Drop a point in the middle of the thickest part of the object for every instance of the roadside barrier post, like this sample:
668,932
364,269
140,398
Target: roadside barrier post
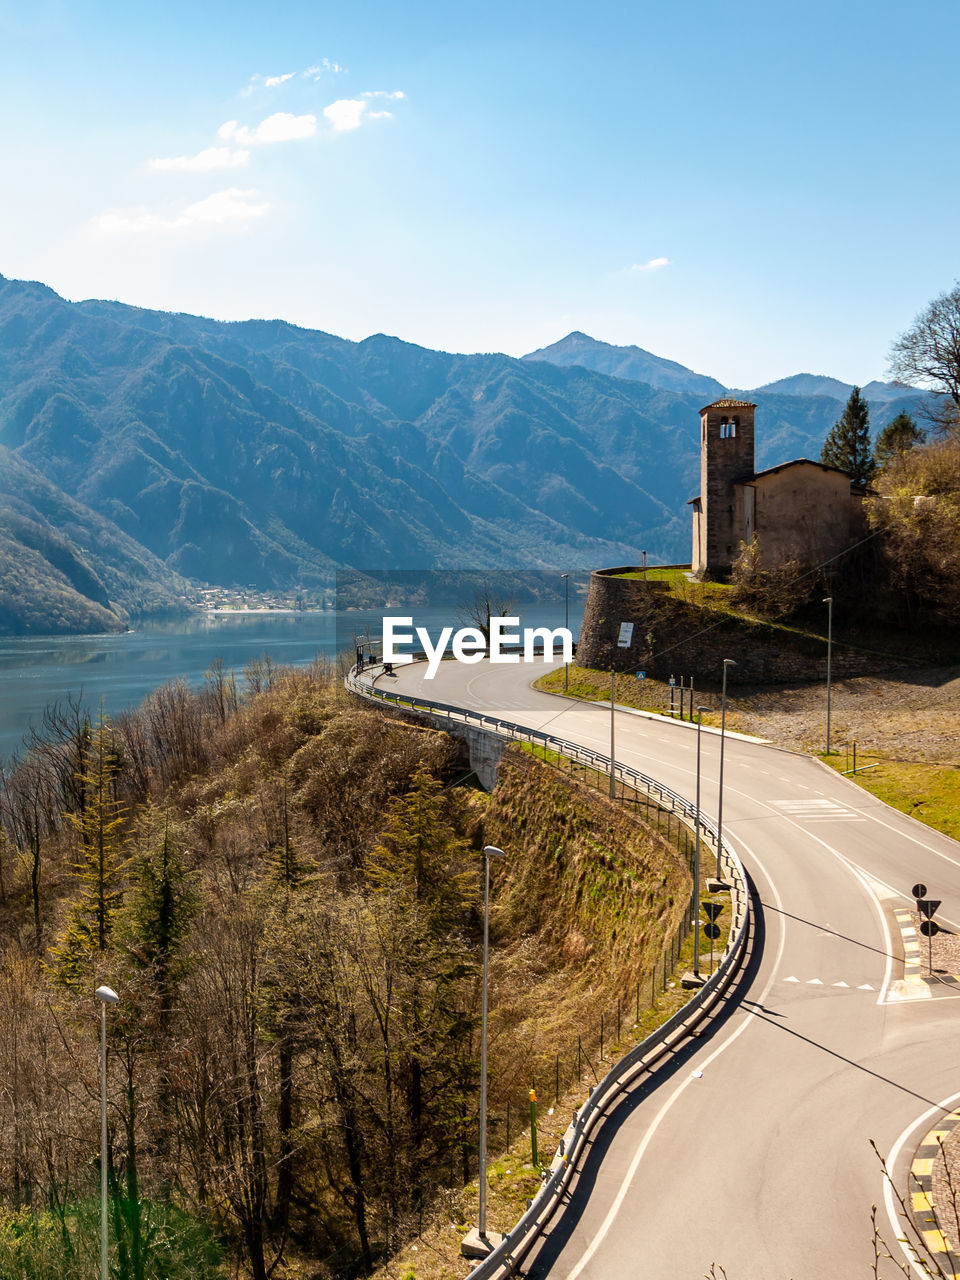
533,1128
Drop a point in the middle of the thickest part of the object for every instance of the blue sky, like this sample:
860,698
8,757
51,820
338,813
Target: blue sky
751,189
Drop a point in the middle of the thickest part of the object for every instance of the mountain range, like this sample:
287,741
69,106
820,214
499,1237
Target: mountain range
141,451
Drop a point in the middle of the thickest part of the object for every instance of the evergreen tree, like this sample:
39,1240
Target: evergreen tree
101,859
848,444
422,856
897,438
163,902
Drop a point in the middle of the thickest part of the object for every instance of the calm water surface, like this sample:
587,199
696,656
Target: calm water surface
121,670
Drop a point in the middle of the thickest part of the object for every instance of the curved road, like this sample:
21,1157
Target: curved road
755,1153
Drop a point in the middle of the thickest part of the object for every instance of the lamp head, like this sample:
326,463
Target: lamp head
107,995
491,851
729,662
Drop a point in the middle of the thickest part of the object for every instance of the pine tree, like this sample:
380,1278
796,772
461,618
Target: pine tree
101,860
897,438
848,444
422,856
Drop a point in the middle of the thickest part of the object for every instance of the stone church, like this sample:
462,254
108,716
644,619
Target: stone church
798,510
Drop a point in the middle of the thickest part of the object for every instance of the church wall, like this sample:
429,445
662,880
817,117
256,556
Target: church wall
802,513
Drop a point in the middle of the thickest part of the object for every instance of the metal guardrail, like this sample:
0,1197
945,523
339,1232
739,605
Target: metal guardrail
503,1260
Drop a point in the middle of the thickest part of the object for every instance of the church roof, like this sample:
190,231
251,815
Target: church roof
725,403
796,462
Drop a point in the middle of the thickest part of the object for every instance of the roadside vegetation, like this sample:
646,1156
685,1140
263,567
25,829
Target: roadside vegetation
282,885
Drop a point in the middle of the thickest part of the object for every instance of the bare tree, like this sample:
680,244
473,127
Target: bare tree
928,354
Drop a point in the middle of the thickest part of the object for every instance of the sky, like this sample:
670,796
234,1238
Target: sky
752,189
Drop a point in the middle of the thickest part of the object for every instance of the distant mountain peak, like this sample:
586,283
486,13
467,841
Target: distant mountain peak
634,363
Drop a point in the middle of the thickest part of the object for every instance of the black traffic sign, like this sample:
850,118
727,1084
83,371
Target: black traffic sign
712,930
928,906
929,927
712,909
919,890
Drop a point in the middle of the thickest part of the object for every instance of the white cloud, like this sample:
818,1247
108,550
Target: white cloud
349,113
323,67
271,82
345,113
280,127
232,205
203,161
652,265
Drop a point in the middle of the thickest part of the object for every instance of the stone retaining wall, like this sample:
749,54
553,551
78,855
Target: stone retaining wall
671,637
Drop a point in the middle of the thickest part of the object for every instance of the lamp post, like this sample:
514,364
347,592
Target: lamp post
613,754
106,995
696,862
566,622
489,851
828,601
727,662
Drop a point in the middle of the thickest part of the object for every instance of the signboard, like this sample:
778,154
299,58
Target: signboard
626,635
641,675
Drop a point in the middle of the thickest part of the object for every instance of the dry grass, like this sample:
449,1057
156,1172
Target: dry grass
512,1179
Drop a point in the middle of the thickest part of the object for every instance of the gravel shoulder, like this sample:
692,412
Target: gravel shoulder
913,716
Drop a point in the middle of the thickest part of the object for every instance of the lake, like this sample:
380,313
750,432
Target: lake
121,670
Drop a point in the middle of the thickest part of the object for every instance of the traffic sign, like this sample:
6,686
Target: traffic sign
673,682
919,890
712,909
711,930
929,927
928,906
641,675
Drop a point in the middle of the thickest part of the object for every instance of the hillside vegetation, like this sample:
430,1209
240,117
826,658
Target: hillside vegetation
283,889
261,454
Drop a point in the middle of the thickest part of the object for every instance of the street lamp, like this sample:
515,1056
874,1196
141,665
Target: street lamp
106,995
613,745
696,861
828,601
566,622
727,662
489,851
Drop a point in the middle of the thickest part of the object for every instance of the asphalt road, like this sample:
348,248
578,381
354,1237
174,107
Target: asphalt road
754,1154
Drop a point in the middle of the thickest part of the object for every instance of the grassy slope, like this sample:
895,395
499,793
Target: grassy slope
930,792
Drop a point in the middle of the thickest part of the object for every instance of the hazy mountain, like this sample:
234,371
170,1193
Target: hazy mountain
65,569
627,362
815,384
258,453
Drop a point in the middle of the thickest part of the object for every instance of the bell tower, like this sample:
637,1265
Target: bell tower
726,458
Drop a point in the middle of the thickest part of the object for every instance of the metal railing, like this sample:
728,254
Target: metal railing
503,1260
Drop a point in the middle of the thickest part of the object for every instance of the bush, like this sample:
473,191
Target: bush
47,1245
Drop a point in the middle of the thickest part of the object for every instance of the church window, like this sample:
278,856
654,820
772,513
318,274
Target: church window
728,428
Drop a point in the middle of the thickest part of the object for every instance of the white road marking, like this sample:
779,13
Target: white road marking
814,810
628,1177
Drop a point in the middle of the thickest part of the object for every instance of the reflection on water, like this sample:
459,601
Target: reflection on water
120,670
